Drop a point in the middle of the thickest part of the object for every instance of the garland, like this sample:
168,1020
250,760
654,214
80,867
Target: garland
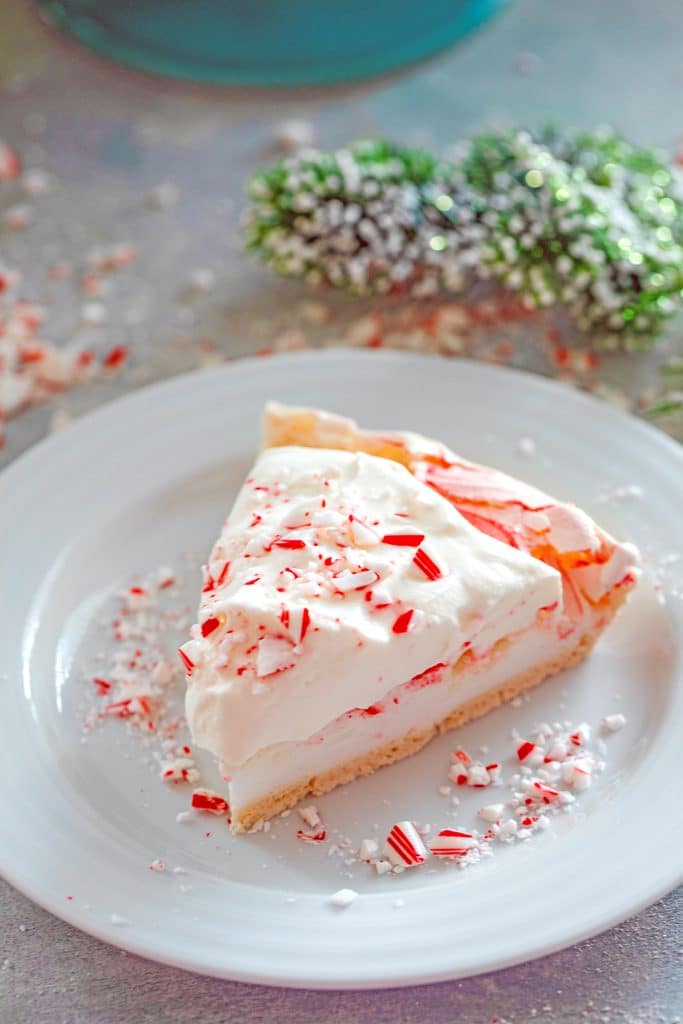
587,221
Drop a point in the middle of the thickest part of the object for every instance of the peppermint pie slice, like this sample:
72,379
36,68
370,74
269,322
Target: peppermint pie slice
371,590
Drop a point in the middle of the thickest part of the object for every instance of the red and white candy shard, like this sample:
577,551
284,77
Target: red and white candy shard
577,773
275,654
310,815
473,774
529,753
206,800
557,750
33,370
491,812
507,830
581,735
311,837
180,769
404,846
450,842
543,793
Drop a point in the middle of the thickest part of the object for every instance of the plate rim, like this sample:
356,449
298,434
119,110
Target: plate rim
175,381
107,932
117,938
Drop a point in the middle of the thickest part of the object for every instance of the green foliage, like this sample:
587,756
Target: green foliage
588,220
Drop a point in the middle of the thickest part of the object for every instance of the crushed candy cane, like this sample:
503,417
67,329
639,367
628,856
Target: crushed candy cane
311,837
33,370
451,842
343,898
404,846
466,772
491,812
212,803
310,815
368,849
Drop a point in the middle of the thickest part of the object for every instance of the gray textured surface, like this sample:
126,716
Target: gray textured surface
57,975
107,138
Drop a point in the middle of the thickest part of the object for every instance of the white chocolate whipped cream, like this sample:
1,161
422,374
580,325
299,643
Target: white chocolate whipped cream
337,577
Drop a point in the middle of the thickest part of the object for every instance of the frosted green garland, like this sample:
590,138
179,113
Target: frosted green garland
587,221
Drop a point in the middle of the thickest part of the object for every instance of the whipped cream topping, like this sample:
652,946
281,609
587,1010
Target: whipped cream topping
338,576
507,509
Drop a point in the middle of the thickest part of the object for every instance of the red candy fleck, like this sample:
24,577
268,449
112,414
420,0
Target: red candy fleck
451,842
289,543
427,565
31,355
220,579
562,355
311,837
10,164
406,844
129,706
305,623
546,794
116,357
403,540
209,626
189,665
204,800
374,709
429,676
402,623
85,358
524,749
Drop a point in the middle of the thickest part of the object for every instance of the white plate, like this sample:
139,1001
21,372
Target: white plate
152,475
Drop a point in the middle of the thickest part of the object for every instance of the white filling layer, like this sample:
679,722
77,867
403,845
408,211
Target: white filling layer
419,707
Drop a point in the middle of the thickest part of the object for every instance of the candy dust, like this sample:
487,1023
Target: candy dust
137,679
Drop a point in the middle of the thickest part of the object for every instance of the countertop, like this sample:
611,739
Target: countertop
107,140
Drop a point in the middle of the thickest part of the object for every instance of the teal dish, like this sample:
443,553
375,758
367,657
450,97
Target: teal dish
267,42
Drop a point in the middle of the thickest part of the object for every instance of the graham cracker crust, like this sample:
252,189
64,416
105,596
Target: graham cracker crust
414,740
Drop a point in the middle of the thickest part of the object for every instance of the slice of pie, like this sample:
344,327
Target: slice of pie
371,590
